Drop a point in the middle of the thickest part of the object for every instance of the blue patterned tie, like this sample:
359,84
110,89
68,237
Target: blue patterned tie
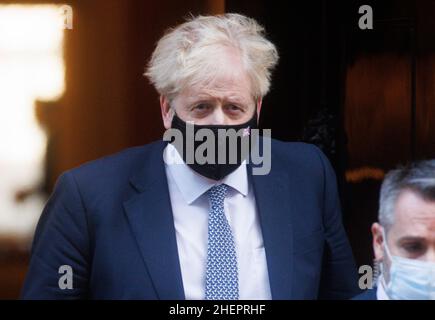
222,275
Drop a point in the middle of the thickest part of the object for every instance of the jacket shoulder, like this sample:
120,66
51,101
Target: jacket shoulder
369,294
303,156
301,148
116,160
114,171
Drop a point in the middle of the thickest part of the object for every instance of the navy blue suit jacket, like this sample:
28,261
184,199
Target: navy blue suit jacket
369,294
111,221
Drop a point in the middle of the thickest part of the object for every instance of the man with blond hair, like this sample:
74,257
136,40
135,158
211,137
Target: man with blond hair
200,215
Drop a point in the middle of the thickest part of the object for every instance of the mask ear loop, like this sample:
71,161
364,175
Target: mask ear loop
387,250
390,257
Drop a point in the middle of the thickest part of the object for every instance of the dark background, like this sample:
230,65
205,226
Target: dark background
366,97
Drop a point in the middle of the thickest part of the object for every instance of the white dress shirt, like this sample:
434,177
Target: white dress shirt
190,207
380,289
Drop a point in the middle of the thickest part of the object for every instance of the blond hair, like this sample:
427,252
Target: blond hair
186,55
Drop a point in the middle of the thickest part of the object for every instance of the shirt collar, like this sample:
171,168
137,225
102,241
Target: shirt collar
192,185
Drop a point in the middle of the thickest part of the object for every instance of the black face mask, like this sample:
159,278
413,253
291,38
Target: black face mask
216,170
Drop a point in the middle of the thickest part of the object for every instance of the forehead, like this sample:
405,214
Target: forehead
414,216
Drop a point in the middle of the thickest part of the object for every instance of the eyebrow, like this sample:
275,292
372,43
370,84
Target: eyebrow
203,99
410,239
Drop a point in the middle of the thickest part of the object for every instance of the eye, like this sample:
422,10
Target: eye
201,107
413,247
233,108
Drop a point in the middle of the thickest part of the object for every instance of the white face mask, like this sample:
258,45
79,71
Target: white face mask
410,279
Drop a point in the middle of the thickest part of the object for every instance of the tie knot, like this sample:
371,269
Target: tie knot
217,194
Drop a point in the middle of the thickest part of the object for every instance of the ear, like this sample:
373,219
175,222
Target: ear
259,104
378,241
167,112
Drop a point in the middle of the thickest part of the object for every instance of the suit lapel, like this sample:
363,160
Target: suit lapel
150,216
273,205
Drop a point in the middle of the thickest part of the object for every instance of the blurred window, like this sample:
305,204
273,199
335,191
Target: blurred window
31,68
